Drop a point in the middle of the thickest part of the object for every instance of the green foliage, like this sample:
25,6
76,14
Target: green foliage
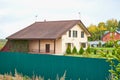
19,46
95,51
109,44
68,50
97,31
100,44
88,50
81,51
114,60
2,43
111,25
118,26
74,51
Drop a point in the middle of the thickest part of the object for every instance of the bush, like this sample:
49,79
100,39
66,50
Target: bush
68,50
113,52
74,51
109,44
100,44
88,50
81,51
95,51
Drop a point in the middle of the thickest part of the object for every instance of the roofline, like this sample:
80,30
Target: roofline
31,38
58,20
19,31
85,28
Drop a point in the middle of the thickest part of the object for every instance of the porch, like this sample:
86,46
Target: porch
42,46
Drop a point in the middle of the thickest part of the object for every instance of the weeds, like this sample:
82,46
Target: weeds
18,76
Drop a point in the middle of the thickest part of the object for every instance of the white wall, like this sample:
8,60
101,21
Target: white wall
76,41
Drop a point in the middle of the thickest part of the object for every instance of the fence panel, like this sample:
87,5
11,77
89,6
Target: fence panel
50,65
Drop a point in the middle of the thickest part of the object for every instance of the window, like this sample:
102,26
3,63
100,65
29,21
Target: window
69,33
74,33
83,45
82,34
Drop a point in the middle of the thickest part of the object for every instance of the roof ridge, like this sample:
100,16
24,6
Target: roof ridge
56,21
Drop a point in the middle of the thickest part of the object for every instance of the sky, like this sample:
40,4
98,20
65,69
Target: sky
18,14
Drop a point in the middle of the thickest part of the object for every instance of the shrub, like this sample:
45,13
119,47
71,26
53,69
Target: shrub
113,52
95,51
107,52
100,44
88,50
81,51
74,50
114,60
109,44
68,50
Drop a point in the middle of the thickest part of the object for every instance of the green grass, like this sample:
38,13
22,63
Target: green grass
104,48
98,54
2,43
86,55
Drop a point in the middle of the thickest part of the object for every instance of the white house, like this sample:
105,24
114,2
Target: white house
51,37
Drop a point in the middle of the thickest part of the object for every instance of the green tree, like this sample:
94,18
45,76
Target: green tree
81,51
68,50
101,29
114,60
88,50
111,25
118,28
98,31
93,29
74,51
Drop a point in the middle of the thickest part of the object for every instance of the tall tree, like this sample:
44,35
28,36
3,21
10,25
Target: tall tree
93,30
101,29
112,25
118,28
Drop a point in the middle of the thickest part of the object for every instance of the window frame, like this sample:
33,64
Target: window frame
69,33
83,45
82,34
75,33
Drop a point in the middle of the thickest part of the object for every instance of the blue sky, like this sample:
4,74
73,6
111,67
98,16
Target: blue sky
17,14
